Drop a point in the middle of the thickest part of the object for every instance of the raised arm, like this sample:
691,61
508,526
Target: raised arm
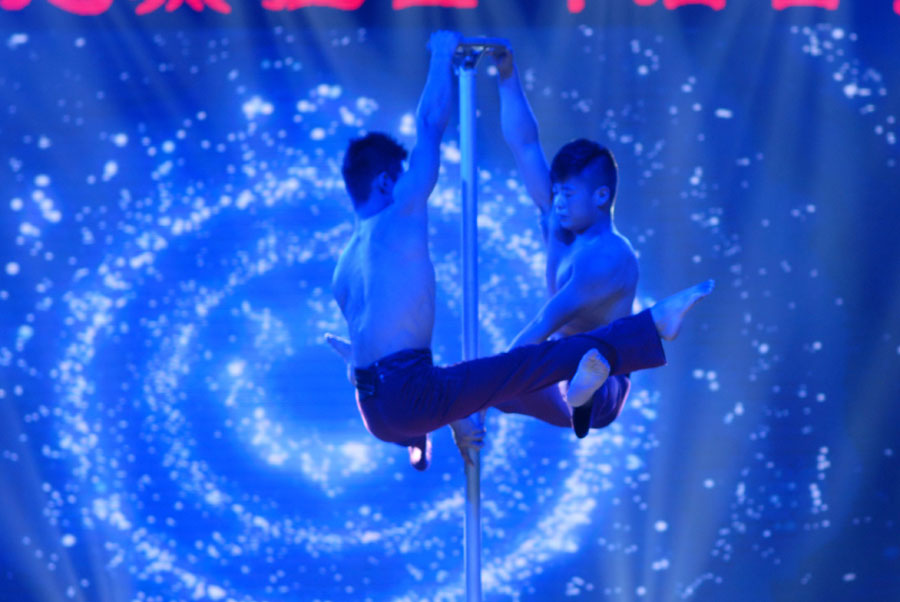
520,129
415,185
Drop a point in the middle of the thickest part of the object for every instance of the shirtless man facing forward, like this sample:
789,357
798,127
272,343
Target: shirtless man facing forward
384,283
592,270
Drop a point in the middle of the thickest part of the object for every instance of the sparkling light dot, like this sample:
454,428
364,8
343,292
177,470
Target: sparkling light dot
236,368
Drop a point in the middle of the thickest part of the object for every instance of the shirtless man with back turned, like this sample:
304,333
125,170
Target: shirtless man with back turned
384,283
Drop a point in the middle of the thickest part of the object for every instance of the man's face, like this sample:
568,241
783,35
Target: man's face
573,202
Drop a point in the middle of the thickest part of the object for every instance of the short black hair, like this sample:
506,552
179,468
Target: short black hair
367,157
580,155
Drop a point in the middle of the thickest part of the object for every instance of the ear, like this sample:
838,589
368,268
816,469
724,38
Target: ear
601,196
382,183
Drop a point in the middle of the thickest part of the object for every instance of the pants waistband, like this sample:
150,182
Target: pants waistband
368,377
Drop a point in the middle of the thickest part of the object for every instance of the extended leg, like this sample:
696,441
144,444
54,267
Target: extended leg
441,395
415,404
549,405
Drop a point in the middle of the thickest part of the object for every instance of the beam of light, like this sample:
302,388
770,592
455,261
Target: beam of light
177,428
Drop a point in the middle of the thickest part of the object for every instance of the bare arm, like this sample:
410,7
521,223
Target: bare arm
415,185
560,309
594,281
520,129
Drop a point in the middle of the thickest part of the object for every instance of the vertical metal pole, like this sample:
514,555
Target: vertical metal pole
469,212
469,176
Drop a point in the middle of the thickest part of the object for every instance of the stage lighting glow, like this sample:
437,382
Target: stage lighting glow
197,439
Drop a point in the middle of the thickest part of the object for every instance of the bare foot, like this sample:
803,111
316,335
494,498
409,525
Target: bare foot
668,314
420,457
344,348
593,370
468,433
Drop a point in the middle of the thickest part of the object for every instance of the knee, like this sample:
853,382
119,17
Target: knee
507,407
612,396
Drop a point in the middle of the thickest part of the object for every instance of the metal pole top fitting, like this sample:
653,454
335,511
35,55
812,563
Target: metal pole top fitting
470,50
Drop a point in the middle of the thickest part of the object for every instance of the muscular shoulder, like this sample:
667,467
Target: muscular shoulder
395,229
610,260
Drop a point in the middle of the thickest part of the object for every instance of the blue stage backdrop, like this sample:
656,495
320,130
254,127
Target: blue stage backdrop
173,426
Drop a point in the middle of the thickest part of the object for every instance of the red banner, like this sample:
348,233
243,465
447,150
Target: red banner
826,4
96,7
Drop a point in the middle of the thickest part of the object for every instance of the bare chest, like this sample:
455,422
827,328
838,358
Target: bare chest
560,258
613,299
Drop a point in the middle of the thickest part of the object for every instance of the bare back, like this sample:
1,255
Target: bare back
384,284
384,281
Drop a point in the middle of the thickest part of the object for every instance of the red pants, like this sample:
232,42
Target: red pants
404,396
550,406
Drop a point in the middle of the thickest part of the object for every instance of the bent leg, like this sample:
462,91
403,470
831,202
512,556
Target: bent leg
636,342
419,449
609,400
546,404
438,396
604,406
549,405
417,441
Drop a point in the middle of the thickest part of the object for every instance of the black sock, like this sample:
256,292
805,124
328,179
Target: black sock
581,418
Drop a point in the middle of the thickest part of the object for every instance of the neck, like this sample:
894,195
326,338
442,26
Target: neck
602,225
370,208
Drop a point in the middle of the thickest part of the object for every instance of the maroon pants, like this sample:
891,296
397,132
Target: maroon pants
550,406
404,396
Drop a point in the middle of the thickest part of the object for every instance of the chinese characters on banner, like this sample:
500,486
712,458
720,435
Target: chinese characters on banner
148,6
398,4
295,4
355,4
673,4
782,4
96,7
576,6
713,4
76,7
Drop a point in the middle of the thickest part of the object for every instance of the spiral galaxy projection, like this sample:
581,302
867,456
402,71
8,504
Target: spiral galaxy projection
192,437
